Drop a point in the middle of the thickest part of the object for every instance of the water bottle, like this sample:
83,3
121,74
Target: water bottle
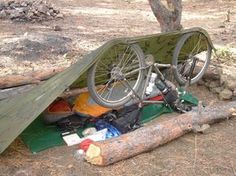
162,86
151,84
170,95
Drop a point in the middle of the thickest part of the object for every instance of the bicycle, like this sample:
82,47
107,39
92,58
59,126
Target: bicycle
125,73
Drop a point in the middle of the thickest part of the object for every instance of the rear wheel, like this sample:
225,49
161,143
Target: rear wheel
191,57
111,78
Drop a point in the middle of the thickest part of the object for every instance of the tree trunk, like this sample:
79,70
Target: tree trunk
169,17
147,138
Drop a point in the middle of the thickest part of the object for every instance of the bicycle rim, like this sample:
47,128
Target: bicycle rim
112,73
191,57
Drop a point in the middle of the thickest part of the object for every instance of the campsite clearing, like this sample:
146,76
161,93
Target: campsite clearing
86,25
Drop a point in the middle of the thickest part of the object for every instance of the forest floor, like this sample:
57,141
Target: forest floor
86,25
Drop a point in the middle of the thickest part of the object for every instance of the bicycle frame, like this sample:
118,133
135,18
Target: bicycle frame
150,68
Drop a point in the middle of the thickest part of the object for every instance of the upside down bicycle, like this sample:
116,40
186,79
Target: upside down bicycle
128,74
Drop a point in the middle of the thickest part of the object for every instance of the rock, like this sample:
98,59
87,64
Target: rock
15,14
48,13
200,82
222,26
231,84
3,14
216,89
14,5
28,11
56,11
30,15
51,11
21,9
24,4
226,94
60,15
10,2
223,79
234,95
57,28
43,9
207,83
2,6
214,84
70,166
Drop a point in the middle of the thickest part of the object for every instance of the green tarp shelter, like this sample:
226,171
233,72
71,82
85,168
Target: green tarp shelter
18,112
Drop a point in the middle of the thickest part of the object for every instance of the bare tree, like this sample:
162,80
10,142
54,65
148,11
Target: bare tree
168,15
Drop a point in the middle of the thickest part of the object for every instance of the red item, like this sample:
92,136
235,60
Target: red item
157,98
84,145
59,109
58,106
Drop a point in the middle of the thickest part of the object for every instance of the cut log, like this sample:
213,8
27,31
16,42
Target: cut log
147,138
28,78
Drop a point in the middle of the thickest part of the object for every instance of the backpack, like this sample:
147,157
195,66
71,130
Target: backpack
72,122
125,119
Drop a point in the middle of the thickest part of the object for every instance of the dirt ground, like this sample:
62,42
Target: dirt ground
86,25
212,153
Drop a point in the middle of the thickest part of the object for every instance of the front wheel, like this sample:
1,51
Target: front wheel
191,57
111,78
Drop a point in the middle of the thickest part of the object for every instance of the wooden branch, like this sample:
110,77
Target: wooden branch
28,78
147,138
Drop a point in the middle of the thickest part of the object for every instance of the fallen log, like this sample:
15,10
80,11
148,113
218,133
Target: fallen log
147,138
28,78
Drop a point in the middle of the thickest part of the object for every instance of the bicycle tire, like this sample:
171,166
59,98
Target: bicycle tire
115,104
177,51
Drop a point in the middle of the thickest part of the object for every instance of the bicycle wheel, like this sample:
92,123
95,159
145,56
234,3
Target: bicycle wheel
191,57
111,78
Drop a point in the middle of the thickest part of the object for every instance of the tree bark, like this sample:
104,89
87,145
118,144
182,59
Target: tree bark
169,17
147,138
